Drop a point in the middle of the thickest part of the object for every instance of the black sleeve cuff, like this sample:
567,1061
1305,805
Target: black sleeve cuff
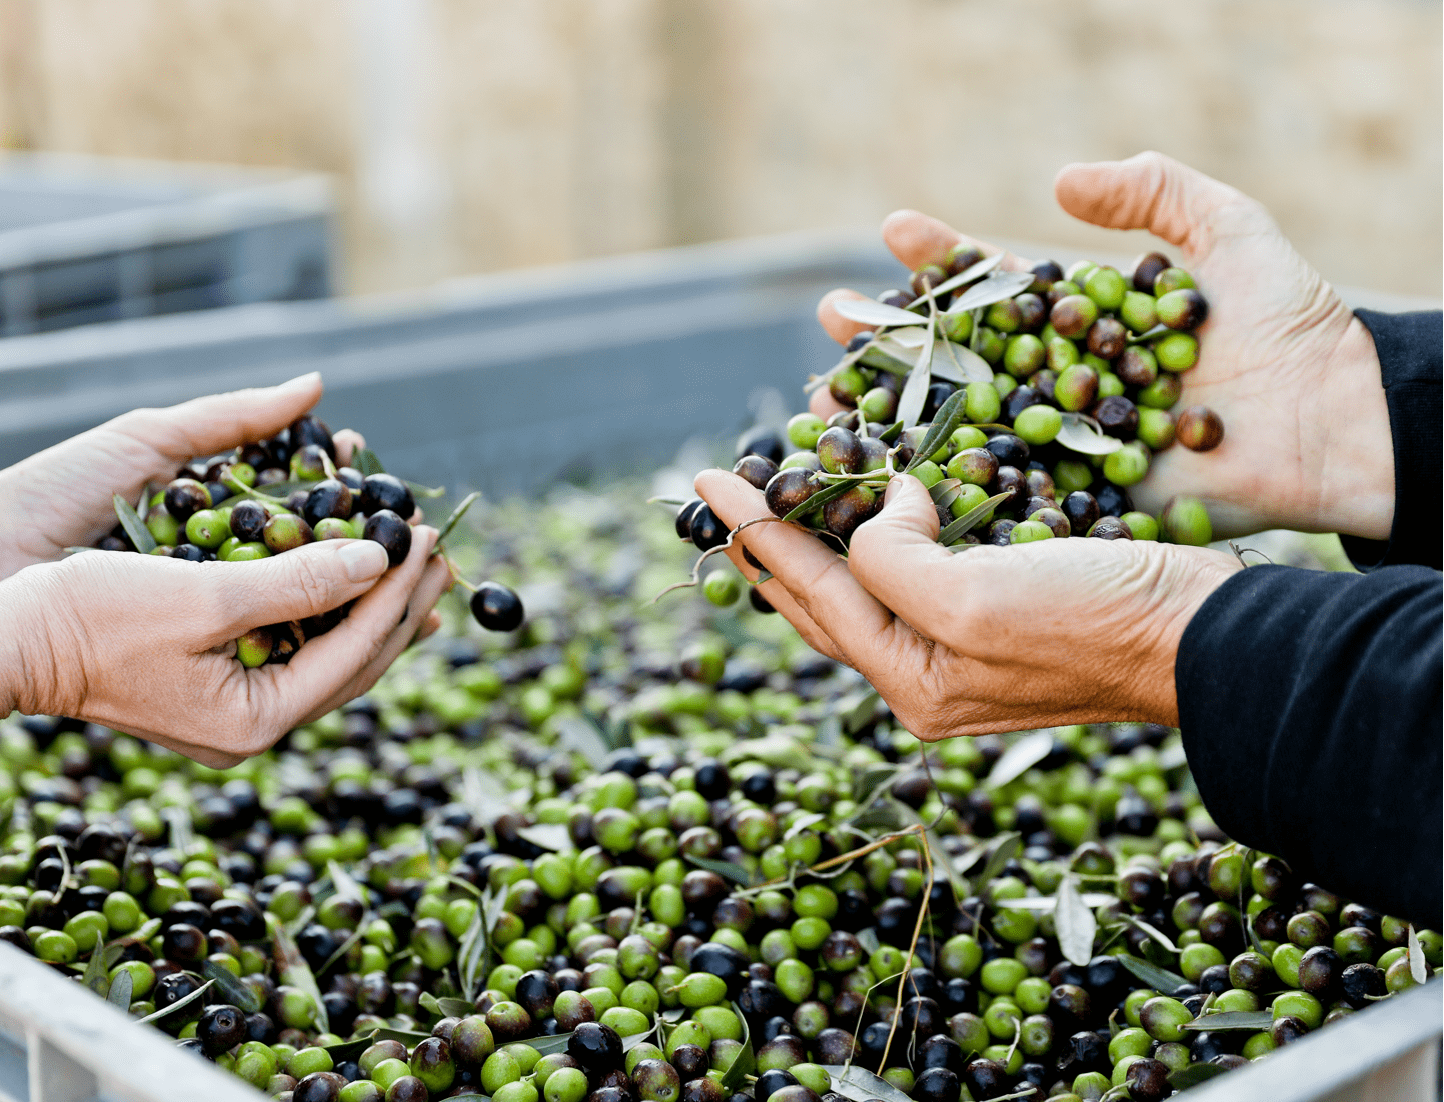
1411,348
1310,709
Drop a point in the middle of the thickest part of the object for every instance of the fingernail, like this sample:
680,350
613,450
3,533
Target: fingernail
363,559
301,382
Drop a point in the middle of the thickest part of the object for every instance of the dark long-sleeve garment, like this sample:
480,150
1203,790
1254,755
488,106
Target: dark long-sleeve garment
1310,703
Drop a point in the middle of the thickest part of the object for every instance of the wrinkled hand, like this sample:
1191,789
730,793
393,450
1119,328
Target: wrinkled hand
1292,373
146,644
988,639
61,497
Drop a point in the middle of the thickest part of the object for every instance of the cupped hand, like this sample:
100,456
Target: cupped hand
62,497
988,639
1292,373
145,644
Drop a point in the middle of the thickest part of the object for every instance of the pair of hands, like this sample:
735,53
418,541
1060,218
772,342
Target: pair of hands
146,644
1076,631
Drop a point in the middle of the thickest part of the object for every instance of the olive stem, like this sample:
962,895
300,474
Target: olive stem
231,482
924,853
455,571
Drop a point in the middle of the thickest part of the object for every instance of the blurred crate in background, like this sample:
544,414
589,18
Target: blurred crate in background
91,239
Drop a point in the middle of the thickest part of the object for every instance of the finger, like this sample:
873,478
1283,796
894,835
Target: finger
419,620
839,328
824,404
815,577
895,556
326,665
917,239
204,426
1147,192
305,582
348,442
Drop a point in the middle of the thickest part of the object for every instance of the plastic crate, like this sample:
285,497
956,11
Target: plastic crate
86,239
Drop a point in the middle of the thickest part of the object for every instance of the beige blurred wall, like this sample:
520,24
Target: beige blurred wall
470,135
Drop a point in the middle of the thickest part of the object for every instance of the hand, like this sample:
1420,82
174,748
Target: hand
988,639
146,644
1285,364
61,497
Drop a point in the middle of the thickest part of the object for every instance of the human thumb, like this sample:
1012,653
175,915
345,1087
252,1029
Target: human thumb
1149,192
895,554
299,584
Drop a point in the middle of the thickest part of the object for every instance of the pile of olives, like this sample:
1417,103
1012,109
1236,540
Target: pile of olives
1043,404
635,855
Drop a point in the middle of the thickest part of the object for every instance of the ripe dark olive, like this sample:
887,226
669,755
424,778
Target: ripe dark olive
1000,532
537,991
1012,451
497,607
657,1080
1113,501
755,469
1199,429
328,498
1107,337
1360,981
1148,1080
386,491
788,489
220,1029
248,521
721,960
185,496
1136,366
392,533
938,393
286,640
761,441
840,451
1073,315
1116,416
1010,481
311,430
1081,509
1146,269
1019,399
985,1078
758,602
707,531
1184,308
1110,528
684,519
958,260
596,1048
845,514
690,1061
1320,971
1045,274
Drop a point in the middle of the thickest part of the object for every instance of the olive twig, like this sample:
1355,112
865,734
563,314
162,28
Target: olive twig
923,852
455,570
695,578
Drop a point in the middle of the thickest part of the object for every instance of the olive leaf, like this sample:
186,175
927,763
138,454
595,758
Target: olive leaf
120,991
1077,926
870,312
417,490
1416,957
915,391
97,968
746,1061
729,869
473,943
482,795
802,823
950,415
350,1050
575,733
970,520
946,492
1043,903
344,883
1152,931
232,990
997,287
1193,1075
552,836
456,514
548,1045
173,1007
447,1008
1019,758
861,1085
890,434
1158,330
872,782
134,527
967,366
1232,1019
1004,848
818,500
344,947
1159,979
408,1037
291,967
966,276
1080,433
367,463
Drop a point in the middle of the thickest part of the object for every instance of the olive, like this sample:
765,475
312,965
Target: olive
1183,308
1010,481
1019,399
1320,971
248,521
788,489
985,1078
940,392
1146,269
1360,983
286,640
220,1029
1110,528
840,451
311,430
937,1084
684,519
391,532
328,498
958,259
308,464
1148,1080
707,531
537,991
760,441
1116,416
658,1080
844,514
755,469
596,1048
286,532
1000,532
186,496
497,607
386,491
1011,450
1073,315
1107,337
1199,429
1136,366
925,278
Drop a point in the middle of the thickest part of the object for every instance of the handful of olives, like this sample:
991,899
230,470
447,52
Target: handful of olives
1027,403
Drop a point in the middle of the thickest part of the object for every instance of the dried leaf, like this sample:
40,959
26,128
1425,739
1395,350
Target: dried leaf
456,514
552,836
1081,433
1232,1019
120,991
950,415
134,527
861,1085
869,312
915,391
1076,924
1159,979
1416,957
966,276
997,287
231,989
367,463
173,1007
969,520
729,869
1019,758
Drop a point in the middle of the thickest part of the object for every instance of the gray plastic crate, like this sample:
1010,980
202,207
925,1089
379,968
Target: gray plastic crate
88,239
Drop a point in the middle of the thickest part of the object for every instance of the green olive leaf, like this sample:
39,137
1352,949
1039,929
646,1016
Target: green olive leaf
547,1045
473,943
408,1037
1005,848
291,967
914,394
456,514
728,869
1077,927
173,1007
861,1085
1156,934
1159,979
966,276
350,1050
97,969
553,836
1019,758
367,463
871,312
950,415
1416,957
1193,1075
1081,433
345,946
818,500
746,1061
231,989
345,884
1158,330
120,991
134,527
969,520
997,287
1232,1019
418,490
